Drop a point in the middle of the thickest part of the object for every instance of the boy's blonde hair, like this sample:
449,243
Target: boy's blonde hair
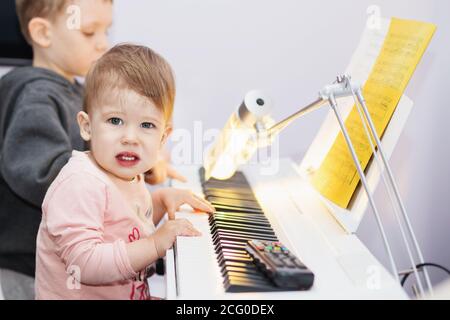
29,9
133,67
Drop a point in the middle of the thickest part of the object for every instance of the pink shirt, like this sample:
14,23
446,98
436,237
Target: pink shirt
86,223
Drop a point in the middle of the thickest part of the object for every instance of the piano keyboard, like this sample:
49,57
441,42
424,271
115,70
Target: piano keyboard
238,218
199,268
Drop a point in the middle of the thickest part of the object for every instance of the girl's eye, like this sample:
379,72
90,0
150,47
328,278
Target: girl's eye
115,121
148,125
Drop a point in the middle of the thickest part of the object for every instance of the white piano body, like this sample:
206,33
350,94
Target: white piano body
343,267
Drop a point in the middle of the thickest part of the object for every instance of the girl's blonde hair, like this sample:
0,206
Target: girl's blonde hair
133,67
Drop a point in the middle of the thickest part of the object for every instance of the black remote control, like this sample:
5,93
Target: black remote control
281,266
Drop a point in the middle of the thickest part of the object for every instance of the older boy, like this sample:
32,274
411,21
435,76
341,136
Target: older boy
38,127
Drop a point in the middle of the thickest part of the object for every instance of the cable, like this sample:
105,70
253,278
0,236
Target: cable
421,265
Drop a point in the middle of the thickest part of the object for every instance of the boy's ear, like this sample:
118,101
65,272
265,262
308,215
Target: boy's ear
85,125
40,33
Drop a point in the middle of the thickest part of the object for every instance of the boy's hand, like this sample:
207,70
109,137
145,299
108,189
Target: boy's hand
166,235
161,172
172,199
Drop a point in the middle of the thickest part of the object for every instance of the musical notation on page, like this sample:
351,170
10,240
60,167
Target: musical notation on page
403,48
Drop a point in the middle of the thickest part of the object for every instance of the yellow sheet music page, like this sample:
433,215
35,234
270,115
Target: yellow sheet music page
403,47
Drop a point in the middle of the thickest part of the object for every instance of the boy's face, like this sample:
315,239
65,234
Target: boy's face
73,50
126,133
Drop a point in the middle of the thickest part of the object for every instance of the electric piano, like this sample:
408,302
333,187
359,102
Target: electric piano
281,207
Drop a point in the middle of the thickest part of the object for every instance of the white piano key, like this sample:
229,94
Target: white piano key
199,268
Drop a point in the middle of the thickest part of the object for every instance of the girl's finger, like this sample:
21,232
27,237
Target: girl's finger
195,232
211,208
198,204
171,213
190,231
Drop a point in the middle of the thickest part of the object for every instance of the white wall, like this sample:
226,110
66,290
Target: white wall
220,49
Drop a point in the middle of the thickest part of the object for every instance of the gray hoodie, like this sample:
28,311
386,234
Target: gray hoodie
38,131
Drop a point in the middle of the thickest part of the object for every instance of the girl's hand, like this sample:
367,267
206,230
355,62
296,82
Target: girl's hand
166,235
172,199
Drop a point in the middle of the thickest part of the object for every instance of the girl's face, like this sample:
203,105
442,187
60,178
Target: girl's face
126,133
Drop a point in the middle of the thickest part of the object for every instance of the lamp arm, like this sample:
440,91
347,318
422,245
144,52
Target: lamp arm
278,127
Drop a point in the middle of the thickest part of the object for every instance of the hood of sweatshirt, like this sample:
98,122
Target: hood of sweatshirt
13,83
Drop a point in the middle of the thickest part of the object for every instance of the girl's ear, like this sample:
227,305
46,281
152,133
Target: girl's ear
166,135
85,125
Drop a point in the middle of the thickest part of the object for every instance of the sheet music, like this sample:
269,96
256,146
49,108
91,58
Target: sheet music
403,47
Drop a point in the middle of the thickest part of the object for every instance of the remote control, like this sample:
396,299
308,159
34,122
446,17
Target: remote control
280,265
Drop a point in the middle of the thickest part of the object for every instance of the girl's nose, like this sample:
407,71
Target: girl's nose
129,136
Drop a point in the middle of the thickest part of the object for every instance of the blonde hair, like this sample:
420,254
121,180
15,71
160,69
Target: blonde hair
133,67
29,9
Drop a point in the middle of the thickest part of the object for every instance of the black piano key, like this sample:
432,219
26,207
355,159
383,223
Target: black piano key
242,225
247,221
240,238
239,228
248,266
248,274
247,215
236,284
245,275
223,245
229,222
242,214
224,217
232,238
249,224
228,268
224,255
242,228
236,215
236,209
233,254
241,235
228,236
238,218
236,206
221,259
255,224
214,183
233,202
237,251
234,258
230,185
230,194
